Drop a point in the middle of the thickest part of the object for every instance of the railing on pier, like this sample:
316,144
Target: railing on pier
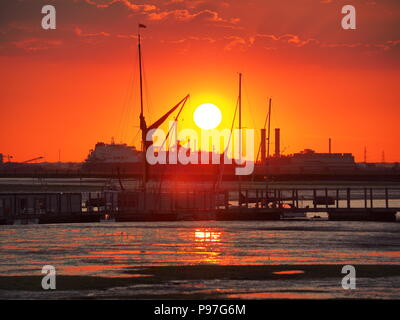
317,198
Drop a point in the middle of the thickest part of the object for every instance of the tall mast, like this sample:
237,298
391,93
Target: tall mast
269,125
141,77
143,126
142,120
240,116
240,137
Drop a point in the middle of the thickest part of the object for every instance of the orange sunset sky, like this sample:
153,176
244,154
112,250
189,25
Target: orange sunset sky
68,88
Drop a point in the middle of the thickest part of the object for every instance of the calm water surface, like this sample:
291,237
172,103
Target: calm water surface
108,249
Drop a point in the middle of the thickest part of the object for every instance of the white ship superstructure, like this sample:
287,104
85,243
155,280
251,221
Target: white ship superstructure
114,153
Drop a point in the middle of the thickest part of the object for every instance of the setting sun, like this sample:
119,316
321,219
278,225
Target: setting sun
207,116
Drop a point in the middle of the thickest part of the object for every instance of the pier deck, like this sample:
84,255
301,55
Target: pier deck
339,204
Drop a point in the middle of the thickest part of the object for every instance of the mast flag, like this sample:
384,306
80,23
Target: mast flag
142,25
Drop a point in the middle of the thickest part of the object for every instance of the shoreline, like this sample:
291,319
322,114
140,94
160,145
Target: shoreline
166,274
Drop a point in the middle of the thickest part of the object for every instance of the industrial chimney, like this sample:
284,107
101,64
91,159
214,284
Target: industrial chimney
263,146
277,142
330,145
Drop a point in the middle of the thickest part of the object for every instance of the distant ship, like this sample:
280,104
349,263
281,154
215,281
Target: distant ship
309,161
113,156
120,157
114,153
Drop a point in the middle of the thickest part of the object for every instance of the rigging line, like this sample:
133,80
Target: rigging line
176,118
265,125
124,121
233,122
129,115
135,137
149,104
128,97
266,118
258,134
163,169
182,119
130,126
226,149
124,103
131,98
259,147
124,124
248,104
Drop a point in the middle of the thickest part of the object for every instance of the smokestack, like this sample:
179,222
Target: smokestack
277,142
330,145
263,146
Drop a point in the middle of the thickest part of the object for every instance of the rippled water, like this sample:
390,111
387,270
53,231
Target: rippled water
108,249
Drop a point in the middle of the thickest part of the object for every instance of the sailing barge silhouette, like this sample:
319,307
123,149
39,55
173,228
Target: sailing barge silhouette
154,203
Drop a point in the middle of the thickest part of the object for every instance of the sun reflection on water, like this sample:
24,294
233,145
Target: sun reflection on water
208,246
202,235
